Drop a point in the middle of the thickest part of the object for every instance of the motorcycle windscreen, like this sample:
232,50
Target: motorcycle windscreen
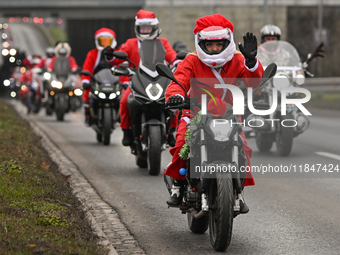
105,76
151,52
279,52
61,68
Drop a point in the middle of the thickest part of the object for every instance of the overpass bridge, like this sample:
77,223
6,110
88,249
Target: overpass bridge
80,18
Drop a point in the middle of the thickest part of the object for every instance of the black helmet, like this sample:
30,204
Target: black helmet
270,30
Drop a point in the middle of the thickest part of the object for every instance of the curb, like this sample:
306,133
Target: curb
104,220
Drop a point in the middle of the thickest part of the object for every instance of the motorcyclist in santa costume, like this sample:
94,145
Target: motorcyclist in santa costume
215,57
94,62
146,28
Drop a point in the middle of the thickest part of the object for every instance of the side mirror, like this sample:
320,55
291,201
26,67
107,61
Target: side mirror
165,71
267,75
120,55
181,55
269,72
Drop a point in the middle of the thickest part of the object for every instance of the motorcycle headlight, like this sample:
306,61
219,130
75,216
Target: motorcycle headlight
78,92
281,80
56,84
101,95
13,94
154,91
221,129
112,96
300,79
47,76
7,82
118,93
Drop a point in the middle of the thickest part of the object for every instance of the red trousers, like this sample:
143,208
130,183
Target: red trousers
125,120
178,163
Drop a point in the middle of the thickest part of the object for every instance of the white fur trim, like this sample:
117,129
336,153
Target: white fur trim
152,21
219,59
217,34
254,68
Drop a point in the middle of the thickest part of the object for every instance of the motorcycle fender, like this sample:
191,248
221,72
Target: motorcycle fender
152,122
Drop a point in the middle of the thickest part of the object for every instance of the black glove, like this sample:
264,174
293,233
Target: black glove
249,50
174,100
108,52
86,85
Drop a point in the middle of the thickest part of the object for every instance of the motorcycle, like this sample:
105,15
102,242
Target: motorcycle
151,121
290,73
212,199
63,82
105,96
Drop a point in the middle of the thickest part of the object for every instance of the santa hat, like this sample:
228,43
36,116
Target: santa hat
215,20
105,32
146,16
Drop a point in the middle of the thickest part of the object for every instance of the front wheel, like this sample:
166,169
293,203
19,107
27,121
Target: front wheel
107,124
284,138
60,108
221,215
155,150
264,141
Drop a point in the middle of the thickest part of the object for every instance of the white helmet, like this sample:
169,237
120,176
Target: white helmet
214,28
146,25
270,30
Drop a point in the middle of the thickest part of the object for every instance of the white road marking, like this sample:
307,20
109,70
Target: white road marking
328,155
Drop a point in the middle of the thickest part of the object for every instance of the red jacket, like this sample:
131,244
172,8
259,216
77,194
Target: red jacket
73,64
90,63
131,48
192,67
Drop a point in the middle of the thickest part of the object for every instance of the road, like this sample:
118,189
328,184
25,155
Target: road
28,39
296,214
290,214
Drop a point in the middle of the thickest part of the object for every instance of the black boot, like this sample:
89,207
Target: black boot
243,206
176,196
127,138
171,137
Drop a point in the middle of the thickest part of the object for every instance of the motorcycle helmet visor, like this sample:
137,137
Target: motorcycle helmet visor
213,47
145,29
104,41
62,52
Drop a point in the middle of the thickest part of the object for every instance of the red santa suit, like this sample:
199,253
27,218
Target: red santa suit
95,60
131,48
72,60
192,66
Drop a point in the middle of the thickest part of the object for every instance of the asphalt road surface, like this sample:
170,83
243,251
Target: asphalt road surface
289,214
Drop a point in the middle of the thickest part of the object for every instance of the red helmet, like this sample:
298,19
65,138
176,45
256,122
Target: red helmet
105,37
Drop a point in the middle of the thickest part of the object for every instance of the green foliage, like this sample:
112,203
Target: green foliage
38,212
184,152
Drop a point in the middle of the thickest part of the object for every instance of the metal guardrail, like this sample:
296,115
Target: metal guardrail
322,85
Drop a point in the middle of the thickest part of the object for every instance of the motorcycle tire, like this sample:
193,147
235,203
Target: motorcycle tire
221,215
107,124
60,108
284,138
155,150
142,163
49,110
263,142
198,226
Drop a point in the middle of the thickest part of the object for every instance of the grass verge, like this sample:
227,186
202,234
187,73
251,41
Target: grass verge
38,213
